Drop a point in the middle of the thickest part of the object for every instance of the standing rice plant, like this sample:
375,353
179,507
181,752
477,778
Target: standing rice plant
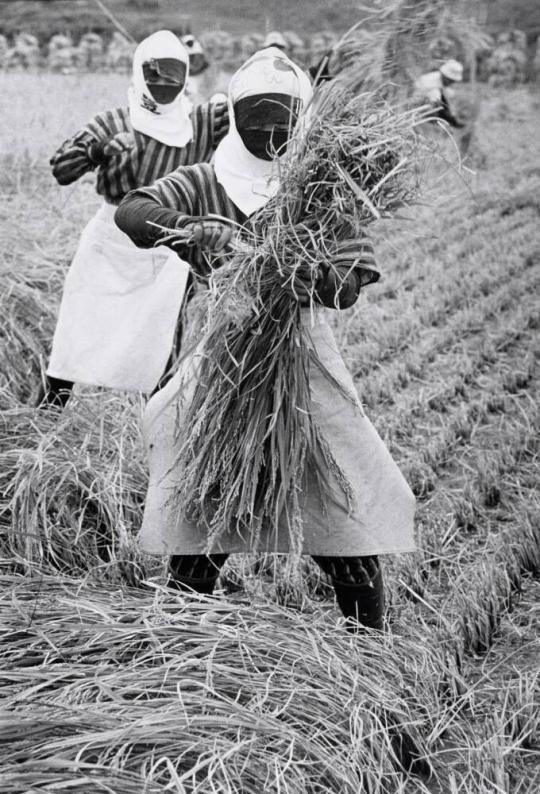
247,440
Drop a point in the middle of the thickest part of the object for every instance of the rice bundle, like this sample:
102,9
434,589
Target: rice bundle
248,441
67,498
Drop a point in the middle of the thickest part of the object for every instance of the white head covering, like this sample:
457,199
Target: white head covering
169,124
276,39
248,181
453,70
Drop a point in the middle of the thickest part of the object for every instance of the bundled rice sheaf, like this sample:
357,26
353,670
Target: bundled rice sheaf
248,437
67,499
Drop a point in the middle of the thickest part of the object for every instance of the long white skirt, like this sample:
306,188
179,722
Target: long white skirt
119,310
382,518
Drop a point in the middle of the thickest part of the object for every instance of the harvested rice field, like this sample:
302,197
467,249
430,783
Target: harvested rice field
112,683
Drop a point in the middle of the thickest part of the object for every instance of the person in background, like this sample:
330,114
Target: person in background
198,62
435,88
266,97
276,39
119,318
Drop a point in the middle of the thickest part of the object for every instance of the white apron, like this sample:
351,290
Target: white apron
119,310
382,521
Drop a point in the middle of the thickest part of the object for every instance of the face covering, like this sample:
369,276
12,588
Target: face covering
266,97
266,123
265,144
198,62
158,106
165,78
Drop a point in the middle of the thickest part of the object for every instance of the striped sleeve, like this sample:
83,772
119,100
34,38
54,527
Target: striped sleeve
219,121
176,191
72,159
357,254
170,202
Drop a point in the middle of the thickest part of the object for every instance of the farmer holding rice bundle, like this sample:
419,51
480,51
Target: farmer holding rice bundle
259,442
121,306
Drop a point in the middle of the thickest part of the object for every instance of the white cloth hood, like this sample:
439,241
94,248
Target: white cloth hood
170,124
248,181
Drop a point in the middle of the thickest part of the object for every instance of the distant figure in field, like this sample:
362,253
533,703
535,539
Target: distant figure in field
276,39
198,62
119,319
434,88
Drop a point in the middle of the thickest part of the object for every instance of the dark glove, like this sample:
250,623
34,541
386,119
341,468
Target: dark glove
357,254
353,267
95,151
100,151
208,234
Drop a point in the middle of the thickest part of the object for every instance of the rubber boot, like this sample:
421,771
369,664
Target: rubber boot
54,392
362,603
188,584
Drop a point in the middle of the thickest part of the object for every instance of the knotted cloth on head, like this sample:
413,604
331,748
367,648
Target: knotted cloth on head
248,180
171,123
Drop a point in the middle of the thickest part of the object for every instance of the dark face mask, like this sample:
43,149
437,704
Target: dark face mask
264,144
256,112
164,94
164,78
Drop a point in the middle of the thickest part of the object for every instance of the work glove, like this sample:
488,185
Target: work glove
356,254
102,150
209,235
336,286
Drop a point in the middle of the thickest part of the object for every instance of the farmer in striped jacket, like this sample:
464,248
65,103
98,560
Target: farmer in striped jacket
266,96
120,308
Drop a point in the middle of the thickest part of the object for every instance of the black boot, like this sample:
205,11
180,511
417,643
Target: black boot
195,572
362,603
189,585
54,392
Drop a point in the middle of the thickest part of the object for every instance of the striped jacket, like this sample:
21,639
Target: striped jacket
193,191
175,199
146,161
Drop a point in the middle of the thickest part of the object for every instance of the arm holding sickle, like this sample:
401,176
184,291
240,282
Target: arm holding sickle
169,213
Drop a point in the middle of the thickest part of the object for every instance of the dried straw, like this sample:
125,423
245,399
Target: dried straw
202,695
69,501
